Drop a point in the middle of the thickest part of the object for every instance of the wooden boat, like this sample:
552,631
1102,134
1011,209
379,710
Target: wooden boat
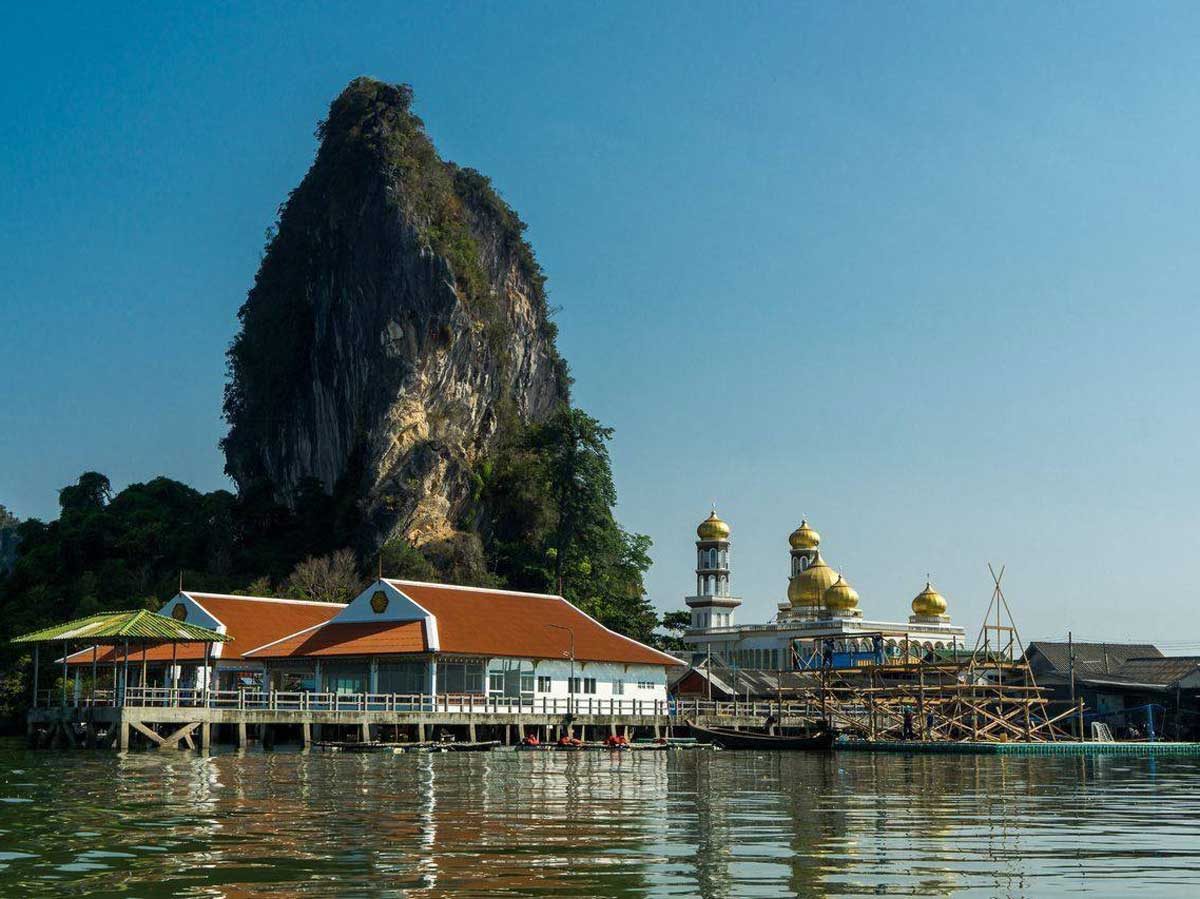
727,738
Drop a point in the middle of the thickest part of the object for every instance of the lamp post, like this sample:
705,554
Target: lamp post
571,682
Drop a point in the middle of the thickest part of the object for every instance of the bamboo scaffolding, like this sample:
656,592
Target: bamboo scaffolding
990,697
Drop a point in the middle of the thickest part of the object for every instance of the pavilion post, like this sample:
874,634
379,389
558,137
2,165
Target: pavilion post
92,700
35,673
207,672
64,690
145,683
174,674
125,675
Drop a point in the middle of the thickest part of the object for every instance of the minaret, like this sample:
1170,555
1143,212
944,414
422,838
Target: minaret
712,606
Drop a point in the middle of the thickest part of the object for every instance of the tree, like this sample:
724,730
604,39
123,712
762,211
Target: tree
548,523
92,491
575,452
332,578
674,623
400,559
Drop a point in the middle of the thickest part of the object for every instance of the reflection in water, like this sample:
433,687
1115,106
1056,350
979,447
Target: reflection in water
593,824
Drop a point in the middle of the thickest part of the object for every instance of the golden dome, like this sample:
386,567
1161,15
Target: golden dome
807,589
841,597
929,603
713,528
804,537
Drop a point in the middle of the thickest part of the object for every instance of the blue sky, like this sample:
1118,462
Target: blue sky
925,273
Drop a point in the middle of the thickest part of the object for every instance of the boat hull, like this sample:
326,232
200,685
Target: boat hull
741,739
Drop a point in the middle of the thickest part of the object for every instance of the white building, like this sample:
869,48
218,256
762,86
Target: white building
820,618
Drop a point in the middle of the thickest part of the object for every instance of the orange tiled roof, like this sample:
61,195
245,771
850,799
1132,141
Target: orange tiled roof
501,623
351,638
250,620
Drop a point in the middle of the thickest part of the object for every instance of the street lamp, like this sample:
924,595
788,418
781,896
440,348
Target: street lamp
571,682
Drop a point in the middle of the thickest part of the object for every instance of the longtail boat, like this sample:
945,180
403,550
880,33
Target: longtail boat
727,738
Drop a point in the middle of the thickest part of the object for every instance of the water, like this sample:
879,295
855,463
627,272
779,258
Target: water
594,824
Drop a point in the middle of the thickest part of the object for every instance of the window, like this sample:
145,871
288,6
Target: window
402,677
645,685
543,683
589,685
618,688
496,682
460,677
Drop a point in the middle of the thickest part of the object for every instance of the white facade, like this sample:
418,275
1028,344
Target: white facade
797,630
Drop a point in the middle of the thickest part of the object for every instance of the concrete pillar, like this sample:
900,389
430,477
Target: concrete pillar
508,735
471,731
306,734
420,731
365,732
123,732
520,730
612,729
241,735
205,736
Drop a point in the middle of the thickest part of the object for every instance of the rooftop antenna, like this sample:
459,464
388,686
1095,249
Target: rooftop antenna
380,559
180,580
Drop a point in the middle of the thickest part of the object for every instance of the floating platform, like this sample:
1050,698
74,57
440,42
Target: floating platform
1058,748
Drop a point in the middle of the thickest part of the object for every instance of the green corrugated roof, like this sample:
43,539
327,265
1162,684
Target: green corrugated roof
116,627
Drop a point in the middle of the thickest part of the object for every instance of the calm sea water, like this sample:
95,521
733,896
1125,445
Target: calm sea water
593,824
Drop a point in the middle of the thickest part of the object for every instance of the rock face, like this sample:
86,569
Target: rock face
396,327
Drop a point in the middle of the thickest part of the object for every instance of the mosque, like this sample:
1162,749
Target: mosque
821,614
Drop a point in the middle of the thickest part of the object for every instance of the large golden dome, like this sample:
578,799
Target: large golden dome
841,597
929,603
713,528
807,589
804,537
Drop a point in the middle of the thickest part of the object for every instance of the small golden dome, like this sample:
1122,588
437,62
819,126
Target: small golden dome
807,589
841,597
713,528
804,537
929,603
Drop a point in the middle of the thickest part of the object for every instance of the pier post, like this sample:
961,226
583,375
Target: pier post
521,731
364,733
420,731
241,735
471,731
306,734
205,736
123,734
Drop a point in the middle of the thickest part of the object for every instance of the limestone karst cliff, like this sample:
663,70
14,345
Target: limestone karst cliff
397,325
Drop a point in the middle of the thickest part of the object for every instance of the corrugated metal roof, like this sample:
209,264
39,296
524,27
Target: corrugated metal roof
1091,658
1150,672
110,628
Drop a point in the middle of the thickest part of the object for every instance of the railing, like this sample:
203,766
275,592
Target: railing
448,703
464,703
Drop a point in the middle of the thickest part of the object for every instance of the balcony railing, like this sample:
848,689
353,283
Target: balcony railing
679,710
305,701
